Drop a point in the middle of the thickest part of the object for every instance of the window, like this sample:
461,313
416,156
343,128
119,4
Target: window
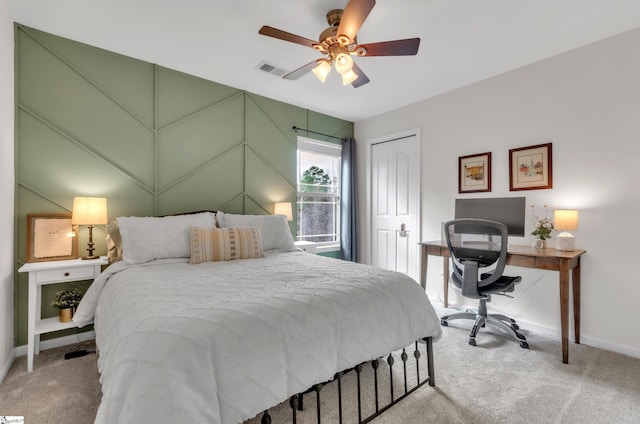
319,192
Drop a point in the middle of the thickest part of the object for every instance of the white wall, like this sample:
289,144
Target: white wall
587,103
7,351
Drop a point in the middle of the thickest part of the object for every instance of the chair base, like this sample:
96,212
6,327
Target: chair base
496,320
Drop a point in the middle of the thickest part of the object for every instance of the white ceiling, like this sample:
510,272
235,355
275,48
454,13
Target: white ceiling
463,41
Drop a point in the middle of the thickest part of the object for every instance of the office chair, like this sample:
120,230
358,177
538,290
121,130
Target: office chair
478,250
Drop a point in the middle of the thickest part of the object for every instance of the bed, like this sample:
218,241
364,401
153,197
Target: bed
220,341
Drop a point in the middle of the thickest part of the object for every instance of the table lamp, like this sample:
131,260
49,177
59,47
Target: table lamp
283,208
89,211
565,220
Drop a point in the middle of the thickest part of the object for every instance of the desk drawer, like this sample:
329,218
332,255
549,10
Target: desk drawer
552,264
65,274
521,260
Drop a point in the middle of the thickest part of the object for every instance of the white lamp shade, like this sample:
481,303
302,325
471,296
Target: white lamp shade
349,77
565,220
283,208
344,63
89,211
322,70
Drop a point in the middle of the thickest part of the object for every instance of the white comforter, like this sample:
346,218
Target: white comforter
221,342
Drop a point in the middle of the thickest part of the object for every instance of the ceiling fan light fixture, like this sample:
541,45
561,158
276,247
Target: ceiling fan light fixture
344,40
360,51
321,47
339,42
349,77
344,62
322,70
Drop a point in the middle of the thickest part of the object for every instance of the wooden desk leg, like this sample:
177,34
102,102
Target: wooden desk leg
423,267
445,277
564,311
575,278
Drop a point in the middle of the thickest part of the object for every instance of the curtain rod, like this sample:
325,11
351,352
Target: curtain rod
295,129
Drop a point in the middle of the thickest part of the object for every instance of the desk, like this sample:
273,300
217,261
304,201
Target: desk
527,257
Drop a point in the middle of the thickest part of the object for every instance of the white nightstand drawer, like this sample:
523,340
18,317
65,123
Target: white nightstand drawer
64,274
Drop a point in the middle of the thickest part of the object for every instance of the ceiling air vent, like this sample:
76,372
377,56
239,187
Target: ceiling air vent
271,69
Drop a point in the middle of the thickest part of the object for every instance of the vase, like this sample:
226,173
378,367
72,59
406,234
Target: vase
540,244
66,314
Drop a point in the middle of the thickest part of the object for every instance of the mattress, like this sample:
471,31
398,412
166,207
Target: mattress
220,342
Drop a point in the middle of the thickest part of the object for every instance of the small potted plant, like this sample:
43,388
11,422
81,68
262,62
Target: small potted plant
67,300
542,228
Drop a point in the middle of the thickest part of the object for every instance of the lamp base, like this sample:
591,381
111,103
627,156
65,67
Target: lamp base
90,247
565,242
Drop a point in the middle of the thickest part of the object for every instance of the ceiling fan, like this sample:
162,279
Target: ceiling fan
338,43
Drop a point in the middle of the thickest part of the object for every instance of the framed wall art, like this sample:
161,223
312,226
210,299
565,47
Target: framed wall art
530,168
474,173
48,237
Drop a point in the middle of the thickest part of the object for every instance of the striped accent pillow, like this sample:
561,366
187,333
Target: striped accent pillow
225,244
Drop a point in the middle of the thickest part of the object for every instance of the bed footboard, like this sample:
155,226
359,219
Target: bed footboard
383,398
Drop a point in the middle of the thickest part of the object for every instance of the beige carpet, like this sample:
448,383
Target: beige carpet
495,382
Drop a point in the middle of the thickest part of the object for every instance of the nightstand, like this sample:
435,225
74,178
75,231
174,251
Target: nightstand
307,246
52,272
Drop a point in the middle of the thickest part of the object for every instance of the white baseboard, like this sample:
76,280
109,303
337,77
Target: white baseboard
59,341
4,369
555,332
607,345
584,339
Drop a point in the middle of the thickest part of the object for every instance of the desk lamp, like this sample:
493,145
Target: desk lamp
565,220
89,211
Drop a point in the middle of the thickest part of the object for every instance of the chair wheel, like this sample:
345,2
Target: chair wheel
524,345
444,323
472,342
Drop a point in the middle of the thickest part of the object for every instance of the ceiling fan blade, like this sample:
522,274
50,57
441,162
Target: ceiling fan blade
362,78
297,73
407,47
286,36
353,17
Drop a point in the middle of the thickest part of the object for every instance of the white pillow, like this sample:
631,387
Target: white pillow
147,238
275,231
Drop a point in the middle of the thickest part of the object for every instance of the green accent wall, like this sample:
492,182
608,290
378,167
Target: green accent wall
152,140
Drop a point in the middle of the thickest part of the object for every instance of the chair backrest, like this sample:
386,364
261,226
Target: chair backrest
476,246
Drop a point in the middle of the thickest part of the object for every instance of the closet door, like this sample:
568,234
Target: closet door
395,204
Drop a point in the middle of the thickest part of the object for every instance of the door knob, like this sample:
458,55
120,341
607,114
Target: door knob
403,232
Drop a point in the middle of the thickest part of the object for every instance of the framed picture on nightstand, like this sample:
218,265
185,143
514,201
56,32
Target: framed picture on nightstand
50,237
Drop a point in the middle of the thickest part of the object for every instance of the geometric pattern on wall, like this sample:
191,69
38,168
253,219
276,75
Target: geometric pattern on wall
153,140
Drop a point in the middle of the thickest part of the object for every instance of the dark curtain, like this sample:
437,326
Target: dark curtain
348,203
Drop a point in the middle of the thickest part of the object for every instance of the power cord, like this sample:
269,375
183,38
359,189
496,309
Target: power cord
80,350
76,354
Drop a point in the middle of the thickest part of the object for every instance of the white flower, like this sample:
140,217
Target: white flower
542,226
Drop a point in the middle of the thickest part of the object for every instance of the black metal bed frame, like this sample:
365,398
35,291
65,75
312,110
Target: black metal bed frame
296,402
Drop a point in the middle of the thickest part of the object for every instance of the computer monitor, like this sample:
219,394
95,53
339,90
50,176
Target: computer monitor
508,210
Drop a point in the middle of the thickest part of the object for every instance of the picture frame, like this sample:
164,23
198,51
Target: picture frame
530,168
48,237
474,173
